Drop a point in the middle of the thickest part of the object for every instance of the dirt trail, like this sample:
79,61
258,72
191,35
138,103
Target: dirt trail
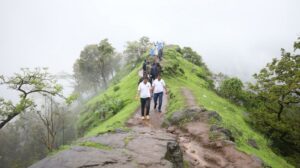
202,152
189,98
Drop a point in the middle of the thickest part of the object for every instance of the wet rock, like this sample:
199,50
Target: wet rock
214,115
174,154
253,143
111,139
148,150
171,129
85,157
203,109
213,159
190,114
257,160
226,142
120,130
219,144
214,128
226,132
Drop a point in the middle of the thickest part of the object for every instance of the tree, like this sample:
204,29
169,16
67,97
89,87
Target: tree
279,83
22,141
135,50
277,91
219,78
47,116
105,60
27,83
96,65
193,57
231,88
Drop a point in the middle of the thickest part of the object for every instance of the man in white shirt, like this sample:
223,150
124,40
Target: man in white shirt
158,89
144,91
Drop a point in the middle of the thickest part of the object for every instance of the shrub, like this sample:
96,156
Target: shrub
108,106
116,88
231,88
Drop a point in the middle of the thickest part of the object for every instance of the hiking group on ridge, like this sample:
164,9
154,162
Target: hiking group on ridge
151,85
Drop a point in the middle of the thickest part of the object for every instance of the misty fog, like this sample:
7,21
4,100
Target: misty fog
234,37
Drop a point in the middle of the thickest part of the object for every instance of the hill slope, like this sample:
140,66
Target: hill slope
232,115
119,101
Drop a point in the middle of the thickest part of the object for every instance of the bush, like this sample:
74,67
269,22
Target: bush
116,88
207,78
108,106
231,88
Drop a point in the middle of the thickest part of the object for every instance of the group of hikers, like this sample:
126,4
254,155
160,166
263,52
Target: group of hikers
151,85
157,50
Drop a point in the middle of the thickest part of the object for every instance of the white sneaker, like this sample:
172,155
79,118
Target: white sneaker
147,117
143,118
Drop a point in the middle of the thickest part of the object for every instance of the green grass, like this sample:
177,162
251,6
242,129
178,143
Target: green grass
127,91
61,148
232,115
95,145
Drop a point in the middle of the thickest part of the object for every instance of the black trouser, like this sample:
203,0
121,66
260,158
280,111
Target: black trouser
158,96
145,103
160,54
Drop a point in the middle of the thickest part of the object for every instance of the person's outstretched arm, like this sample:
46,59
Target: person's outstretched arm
138,92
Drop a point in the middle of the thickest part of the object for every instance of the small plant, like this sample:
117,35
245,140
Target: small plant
116,88
213,136
128,139
95,145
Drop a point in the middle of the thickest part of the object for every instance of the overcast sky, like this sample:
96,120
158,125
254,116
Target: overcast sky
236,37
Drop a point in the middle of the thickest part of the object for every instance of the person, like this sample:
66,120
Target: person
152,52
156,49
148,67
145,66
160,50
144,92
158,87
145,75
155,69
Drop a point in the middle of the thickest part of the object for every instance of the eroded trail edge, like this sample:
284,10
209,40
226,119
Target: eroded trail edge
205,145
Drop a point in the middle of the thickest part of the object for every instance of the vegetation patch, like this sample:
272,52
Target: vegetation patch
232,115
61,148
127,91
128,139
95,145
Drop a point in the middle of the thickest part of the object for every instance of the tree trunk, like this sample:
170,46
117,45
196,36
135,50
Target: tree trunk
280,111
10,117
104,79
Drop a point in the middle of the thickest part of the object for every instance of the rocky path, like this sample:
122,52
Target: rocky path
144,146
148,145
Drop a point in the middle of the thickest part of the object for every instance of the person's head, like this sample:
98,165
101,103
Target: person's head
145,80
158,77
144,74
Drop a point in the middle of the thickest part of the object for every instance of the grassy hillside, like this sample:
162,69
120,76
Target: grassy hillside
125,90
180,73
193,78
